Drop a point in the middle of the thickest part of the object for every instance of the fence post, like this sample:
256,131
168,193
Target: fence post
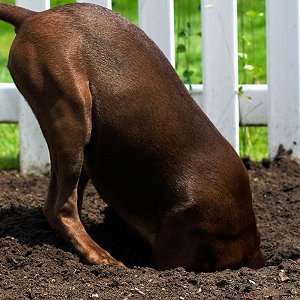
156,18
220,66
283,37
34,5
34,155
104,3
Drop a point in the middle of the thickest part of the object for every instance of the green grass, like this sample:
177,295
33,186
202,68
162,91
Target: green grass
6,37
188,40
9,146
254,142
127,9
252,49
252,44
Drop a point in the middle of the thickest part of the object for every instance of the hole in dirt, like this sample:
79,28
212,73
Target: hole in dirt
114,235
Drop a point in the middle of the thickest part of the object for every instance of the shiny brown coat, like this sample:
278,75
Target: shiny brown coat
113,110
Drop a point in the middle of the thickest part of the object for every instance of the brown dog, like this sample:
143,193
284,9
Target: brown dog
113,110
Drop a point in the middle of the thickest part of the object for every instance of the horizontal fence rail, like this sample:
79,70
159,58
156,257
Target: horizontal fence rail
252,103
221,97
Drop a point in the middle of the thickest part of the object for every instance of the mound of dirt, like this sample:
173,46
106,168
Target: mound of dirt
35,263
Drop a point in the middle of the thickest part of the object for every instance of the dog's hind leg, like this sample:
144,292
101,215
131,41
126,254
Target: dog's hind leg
71,130
57,90
83,180
67,133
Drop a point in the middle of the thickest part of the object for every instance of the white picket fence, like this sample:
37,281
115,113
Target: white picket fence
276,104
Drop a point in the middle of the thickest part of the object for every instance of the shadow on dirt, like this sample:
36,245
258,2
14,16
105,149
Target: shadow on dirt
29,226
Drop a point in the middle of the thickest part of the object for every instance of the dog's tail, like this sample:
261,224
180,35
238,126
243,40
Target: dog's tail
14,15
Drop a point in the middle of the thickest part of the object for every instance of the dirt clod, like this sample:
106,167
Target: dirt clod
282,276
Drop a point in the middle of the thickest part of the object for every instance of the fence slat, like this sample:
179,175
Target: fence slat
156,18
39,5
283,37
220,68
34,155
104,3
9,103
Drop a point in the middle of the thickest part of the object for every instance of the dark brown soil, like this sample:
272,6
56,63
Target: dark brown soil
36,264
